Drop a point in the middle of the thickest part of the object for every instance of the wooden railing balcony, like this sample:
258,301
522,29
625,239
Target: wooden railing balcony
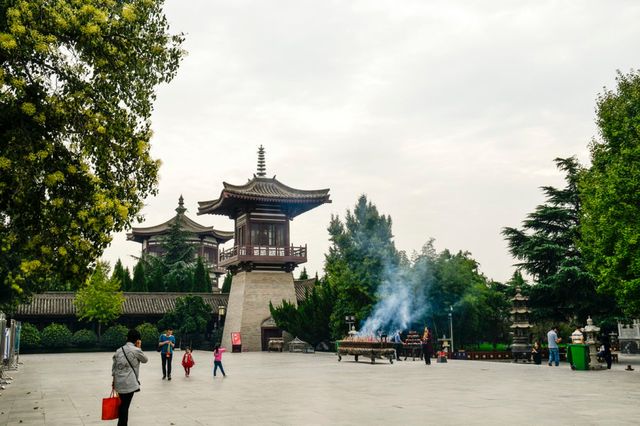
263,255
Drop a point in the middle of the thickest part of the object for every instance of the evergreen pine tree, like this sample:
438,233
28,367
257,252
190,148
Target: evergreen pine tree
362,250
126,280
226,284
139,282
119,274
201,280
546,247
303,275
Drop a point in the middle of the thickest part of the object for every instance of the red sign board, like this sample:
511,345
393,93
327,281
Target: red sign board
235,338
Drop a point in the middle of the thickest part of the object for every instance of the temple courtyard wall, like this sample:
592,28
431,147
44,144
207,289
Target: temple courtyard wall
316,389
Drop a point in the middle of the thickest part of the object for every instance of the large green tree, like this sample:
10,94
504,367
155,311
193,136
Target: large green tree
547,248
201,280
310,319
100,299
77,81
361,252
139,281
173,270
189,317
122,274
610,192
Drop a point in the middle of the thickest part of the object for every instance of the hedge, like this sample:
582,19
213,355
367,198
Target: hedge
149,335
114,337
29,336
84,338
56,336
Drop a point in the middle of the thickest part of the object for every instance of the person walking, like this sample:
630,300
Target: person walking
217,360
166,344
125,373
427,345
553,340
187,362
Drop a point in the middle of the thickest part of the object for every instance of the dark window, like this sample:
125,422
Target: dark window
267,234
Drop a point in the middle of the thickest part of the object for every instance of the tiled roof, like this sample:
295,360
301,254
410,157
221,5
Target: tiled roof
188,225
303,287
264,190
60,304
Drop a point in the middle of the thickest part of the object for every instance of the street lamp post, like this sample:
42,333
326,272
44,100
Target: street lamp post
350,320
221,311
451,327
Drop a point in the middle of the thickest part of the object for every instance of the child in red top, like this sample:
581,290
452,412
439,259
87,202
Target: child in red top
187,362
217,360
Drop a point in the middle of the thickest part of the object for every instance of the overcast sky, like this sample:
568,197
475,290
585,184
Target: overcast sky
447,115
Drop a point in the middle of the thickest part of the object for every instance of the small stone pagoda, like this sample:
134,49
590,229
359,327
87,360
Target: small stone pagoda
204,239
521,346
263,256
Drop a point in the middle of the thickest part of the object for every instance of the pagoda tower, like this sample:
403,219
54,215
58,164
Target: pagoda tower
204,239
263,257
521,347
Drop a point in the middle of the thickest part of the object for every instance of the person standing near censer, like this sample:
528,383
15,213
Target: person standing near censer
427,345
166,344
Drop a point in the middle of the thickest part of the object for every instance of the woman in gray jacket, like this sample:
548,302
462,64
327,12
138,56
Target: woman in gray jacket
126,365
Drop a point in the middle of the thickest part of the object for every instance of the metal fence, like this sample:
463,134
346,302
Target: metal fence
9,348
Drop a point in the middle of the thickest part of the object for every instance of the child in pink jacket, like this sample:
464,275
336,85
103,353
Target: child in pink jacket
217,360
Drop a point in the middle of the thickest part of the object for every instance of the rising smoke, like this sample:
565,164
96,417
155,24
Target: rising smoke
401,301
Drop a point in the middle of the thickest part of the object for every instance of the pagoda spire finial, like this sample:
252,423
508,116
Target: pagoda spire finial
262,167
180,209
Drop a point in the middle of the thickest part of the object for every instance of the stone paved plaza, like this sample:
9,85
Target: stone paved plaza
303,389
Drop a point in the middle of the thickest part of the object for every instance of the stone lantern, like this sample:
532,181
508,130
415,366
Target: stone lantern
591,332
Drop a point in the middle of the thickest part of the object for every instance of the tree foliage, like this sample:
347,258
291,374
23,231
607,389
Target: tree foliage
78,81
139,281
310,319
201,280
547,248
100,299
226,284
122,274
55,336
361,249
190,316
610,192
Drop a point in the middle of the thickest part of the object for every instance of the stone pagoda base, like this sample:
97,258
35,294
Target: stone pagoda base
248,306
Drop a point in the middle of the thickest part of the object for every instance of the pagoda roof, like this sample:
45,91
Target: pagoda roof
518,296
264,190
521,325
521,310
186,224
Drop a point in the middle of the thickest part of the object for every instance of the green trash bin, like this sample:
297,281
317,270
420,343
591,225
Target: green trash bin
578,356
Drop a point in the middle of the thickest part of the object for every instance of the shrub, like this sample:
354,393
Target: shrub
84,338
149,335
29,336
114,337
56,336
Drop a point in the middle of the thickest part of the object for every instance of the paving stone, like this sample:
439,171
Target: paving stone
316,389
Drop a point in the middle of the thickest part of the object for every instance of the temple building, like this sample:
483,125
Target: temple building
263,256
205,239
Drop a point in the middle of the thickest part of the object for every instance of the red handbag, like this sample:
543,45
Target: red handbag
110,406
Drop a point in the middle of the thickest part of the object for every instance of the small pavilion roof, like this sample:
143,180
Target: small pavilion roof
264,190
187,224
